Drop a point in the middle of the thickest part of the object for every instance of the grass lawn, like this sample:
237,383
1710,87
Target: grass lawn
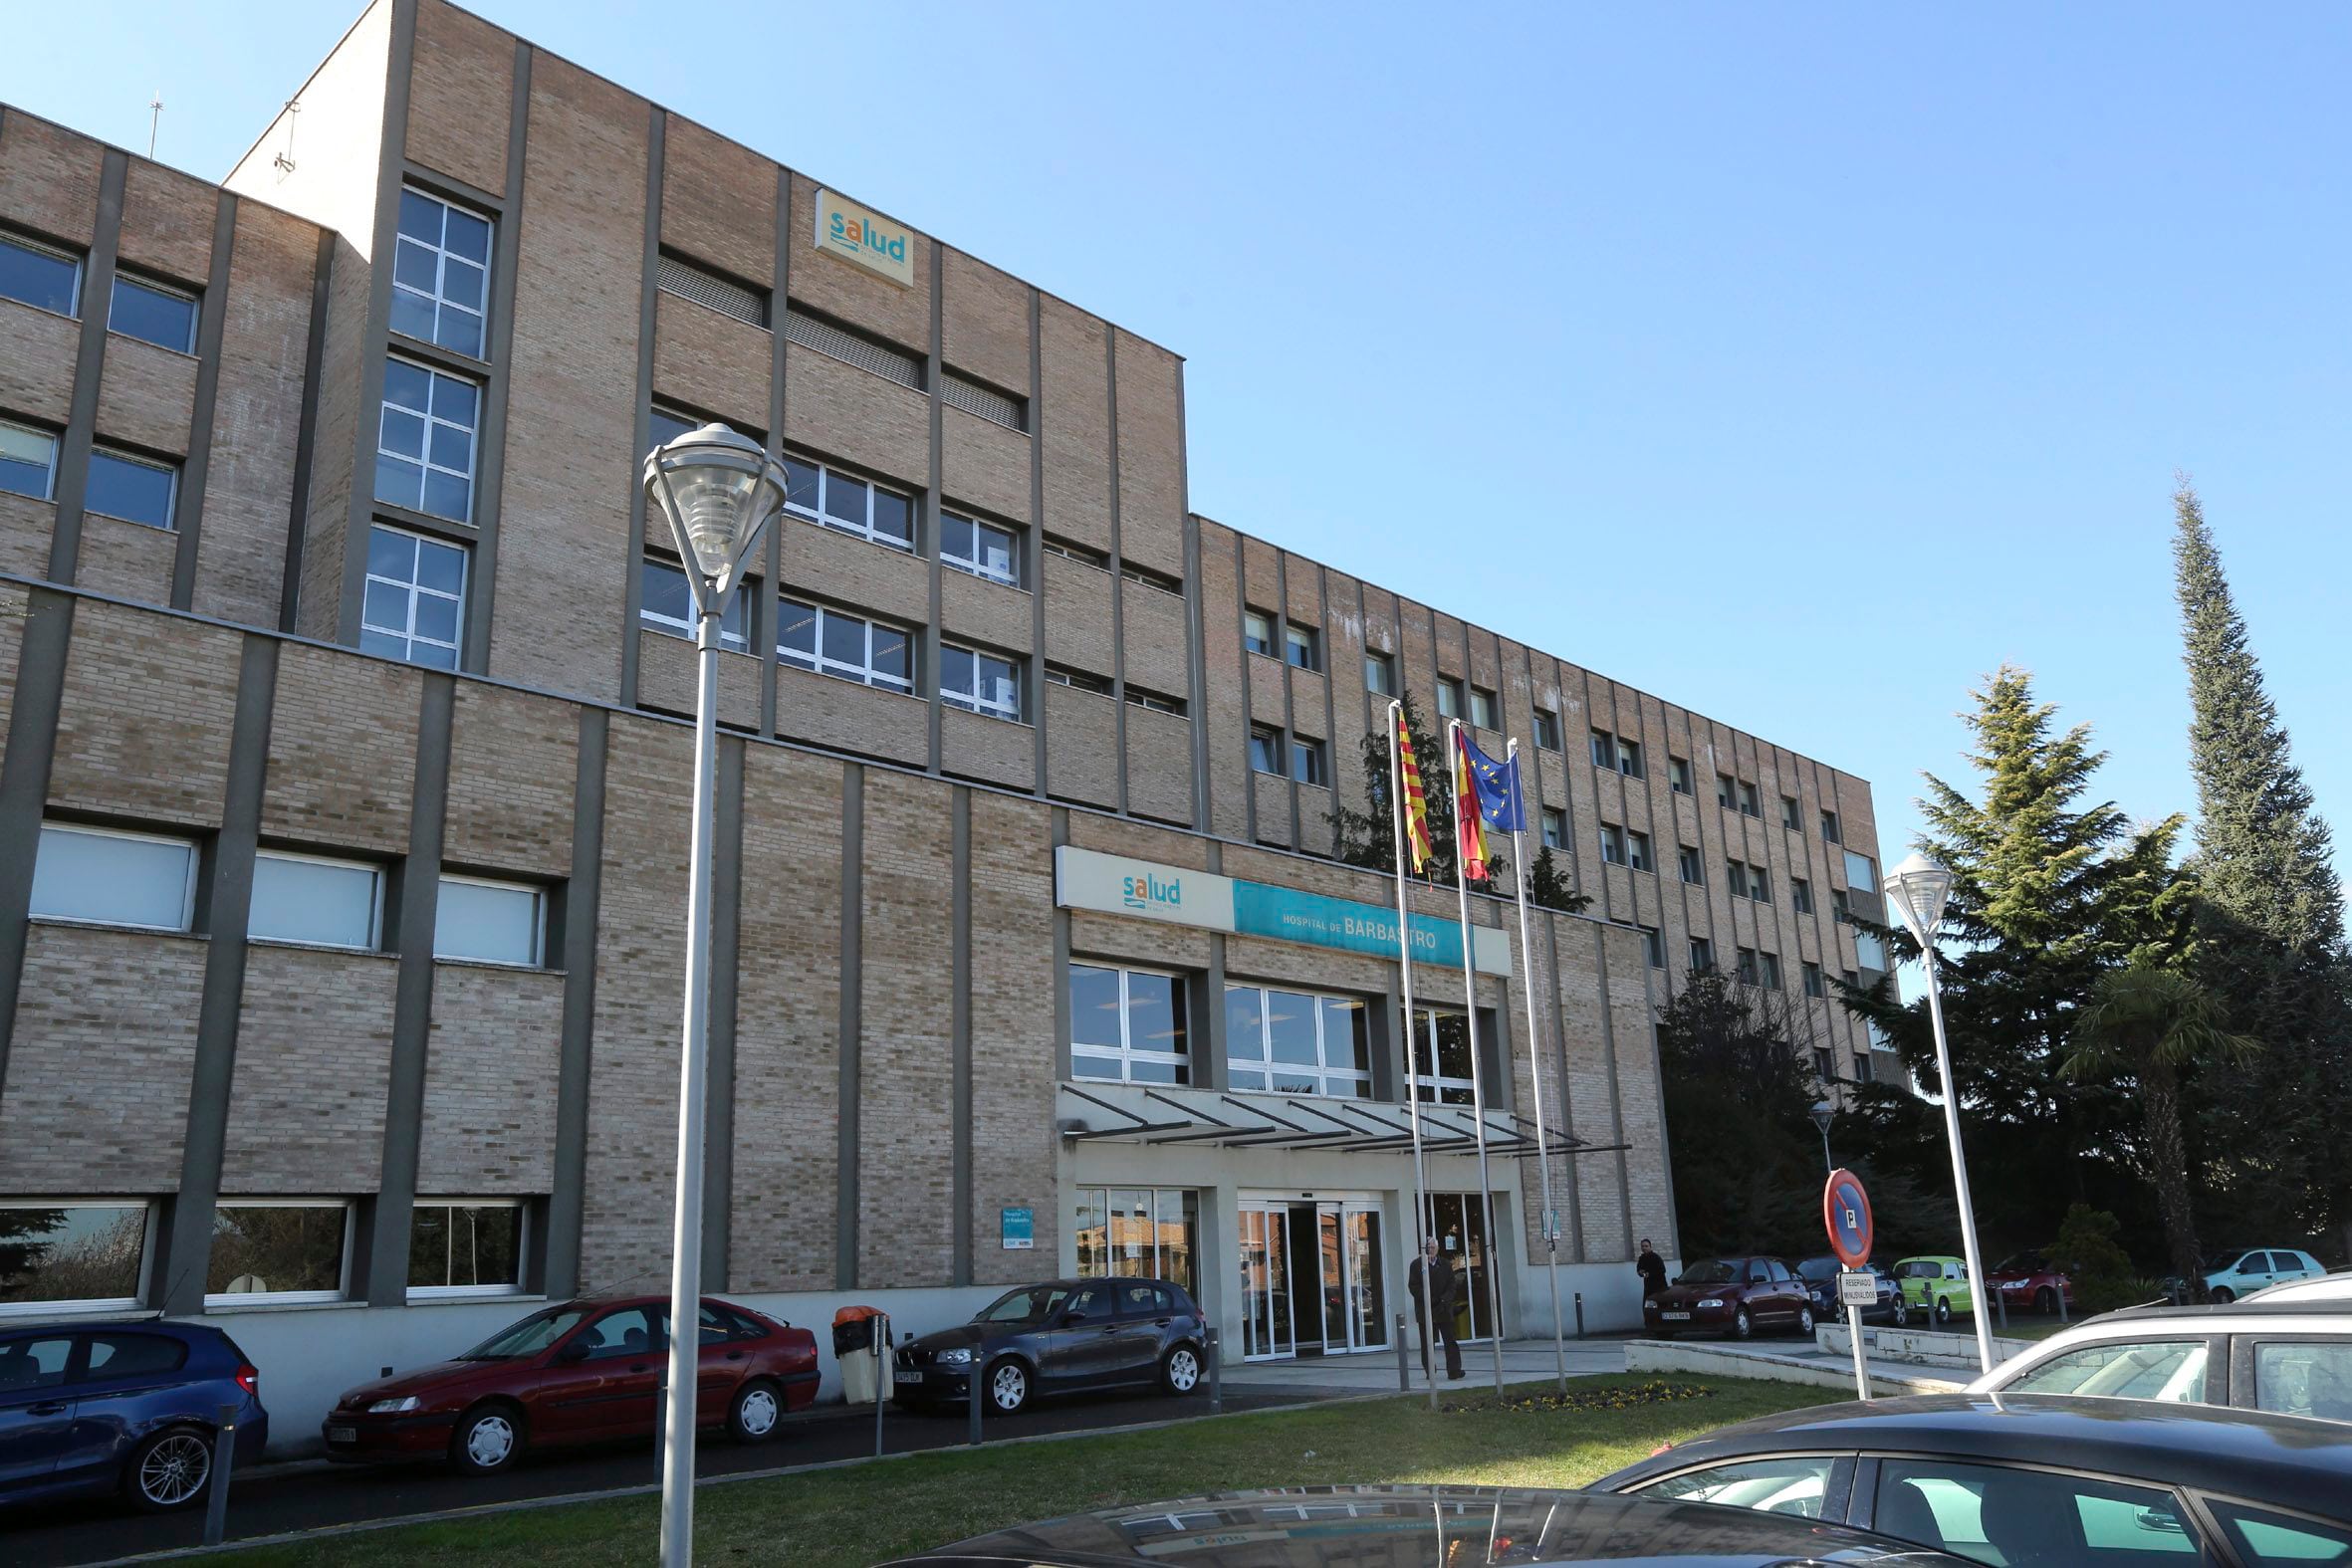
864,1513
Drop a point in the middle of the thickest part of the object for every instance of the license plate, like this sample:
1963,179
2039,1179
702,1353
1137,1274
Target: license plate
909,1377
1676,1317
341,1435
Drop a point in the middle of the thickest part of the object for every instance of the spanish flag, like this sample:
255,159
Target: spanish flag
1417,842
1469,813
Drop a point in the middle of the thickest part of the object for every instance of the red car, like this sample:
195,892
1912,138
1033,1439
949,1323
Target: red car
2029,1281
1733,1296
577,1372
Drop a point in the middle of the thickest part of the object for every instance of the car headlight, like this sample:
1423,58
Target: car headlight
393,1407
955,1358
1711,1302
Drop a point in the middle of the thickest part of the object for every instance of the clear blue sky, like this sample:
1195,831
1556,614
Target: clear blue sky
1796,364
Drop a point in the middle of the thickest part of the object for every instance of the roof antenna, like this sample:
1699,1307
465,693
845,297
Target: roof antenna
155,122
285,160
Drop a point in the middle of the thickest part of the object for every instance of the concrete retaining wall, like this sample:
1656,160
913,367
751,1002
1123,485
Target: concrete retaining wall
1744,1361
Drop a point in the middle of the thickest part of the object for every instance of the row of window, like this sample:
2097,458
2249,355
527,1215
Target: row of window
121,484
1132,1026
49,278
1617,753
111,877
1100,686
97,1253
1307,760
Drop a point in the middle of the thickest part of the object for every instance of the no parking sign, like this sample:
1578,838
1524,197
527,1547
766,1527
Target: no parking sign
1845,1212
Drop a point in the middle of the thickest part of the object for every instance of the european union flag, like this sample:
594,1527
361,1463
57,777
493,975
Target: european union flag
1497,789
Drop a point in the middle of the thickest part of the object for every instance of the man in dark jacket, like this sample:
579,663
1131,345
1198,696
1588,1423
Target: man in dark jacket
1431,1280
1653,1270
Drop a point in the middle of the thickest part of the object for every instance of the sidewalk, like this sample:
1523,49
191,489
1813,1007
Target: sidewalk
1789,1361
1375,1372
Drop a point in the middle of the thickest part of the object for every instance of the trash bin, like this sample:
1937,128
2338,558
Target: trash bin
864,1378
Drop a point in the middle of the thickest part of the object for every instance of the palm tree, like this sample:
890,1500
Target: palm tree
2149,1021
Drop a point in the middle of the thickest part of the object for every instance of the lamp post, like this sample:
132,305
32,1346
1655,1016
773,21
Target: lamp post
719,490
1918,888
1824,1114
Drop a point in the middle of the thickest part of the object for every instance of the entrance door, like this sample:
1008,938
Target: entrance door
1265,1274
1367,1295
1462,1242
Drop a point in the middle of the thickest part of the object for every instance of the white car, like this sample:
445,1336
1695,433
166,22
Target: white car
2240,1271
2291,1358
2328,1287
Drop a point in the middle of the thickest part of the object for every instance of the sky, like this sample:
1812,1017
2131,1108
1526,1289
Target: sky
1798,364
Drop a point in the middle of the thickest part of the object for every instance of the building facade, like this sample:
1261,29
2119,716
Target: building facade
342,805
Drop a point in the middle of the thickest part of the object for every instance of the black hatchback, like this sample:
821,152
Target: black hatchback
1057,1338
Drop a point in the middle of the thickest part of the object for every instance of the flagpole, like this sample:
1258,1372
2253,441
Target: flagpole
1527,951
1404,953
1477,1093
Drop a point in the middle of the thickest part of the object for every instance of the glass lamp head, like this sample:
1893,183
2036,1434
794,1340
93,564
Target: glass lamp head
718,490
1919,888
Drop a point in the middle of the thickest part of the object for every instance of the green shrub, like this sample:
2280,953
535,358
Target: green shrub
2102,1273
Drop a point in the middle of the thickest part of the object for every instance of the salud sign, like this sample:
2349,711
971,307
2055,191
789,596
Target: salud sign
1845,1212
864,236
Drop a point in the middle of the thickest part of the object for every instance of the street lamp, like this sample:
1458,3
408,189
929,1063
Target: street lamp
1918,888
1824,1114
719,490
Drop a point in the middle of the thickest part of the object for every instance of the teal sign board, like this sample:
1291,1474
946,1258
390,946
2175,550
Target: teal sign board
1261,910
1018,1228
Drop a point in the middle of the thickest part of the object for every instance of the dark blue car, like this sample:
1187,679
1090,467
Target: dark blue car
1821,1277
92,1409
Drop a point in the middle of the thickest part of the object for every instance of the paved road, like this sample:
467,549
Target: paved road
306,1497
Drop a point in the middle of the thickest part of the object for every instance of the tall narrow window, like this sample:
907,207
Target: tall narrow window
1629,761
1449,697
1702,953
1604,749
1751,804
1829,827
441,273
1548,729
28,461
1555,829
666,603
847,648
1791,816
1380,674
424,444
135,489
1687,862
1612,843
1767,971
979,682
1653,946
1485,711
1678,775
1128,1024
1265,750
1800,895
1637,852
1307,763
1760,884
152,313
1302,646
1744,966
1861,874
1736,878
1258,632
1813,979
415,598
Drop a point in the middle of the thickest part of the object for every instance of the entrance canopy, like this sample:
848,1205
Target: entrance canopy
1170,1114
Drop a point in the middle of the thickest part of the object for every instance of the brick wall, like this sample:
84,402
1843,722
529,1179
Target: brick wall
314,1051
491,1082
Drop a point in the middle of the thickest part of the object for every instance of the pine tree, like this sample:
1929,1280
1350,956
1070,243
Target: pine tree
1367,837
1739,1096
2269,920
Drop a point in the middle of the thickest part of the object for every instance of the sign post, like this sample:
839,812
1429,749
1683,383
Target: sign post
1846,1214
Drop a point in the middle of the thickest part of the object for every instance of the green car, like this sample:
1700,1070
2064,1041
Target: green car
1938,1286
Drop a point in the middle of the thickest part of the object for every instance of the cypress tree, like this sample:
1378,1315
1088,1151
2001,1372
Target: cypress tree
2269,920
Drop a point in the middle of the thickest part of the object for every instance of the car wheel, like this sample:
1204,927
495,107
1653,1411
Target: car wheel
1008,1388
1902,1313
489,1439
1180,1371
1742,1326
2045,1301
1943,1311
2224,1294
1804,1320
755,1413
169,1470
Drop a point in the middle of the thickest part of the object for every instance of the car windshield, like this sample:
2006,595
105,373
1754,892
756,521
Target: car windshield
2215,1262
1709,1272
1818,1269
2019,1263
1026,1305
527,1338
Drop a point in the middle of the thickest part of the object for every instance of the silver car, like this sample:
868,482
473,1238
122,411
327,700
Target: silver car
2288,1356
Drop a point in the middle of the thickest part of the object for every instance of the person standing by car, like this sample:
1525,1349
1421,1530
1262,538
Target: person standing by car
1431,1280
1652,1269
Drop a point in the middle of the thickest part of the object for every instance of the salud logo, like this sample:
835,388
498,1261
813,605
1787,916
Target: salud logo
1148,892
867,238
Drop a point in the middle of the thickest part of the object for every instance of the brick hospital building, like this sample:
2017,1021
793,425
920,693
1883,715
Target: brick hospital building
343,799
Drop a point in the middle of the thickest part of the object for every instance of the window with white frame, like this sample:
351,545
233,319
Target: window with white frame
135,489
1258,632
1296,1042
1380,673
845,646
666,603
1548,729
279,1249
1265,750
425,443
980,547
1612,843
1869,951
82,1253
1556,827
1485,712
1790,817
414,603
1678,775
152,313
441,273
1127,1025
28,461
1144,577
1829,827
1861,874
825,495
1069,550
1302,646
1760,884
1637,852
466,1246
1449,697
490,922
1138,1233
1726,788
979,682
1604,749
1629,758
1156,702
1310,763
111,877
1440,1042
1751,803
1078,680
40,276
1686,861
314,900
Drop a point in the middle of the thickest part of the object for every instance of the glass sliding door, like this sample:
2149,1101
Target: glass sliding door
1331,1254
1367,1293
1264,1269
1462,1242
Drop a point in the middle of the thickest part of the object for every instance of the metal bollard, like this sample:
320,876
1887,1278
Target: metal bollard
1579,1314
1404,1376
1216,1356
881,1367
224,1451
972,1384
661,1403
2061,1304
2005,1309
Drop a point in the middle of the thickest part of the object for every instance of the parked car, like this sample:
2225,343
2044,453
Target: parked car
577,1372
1426,1528
1937,1286
1055,1338
1731,1295
1821,1277
2029,1281
2327,1287
2236,1272
2290,1356
2035,1480
92,1409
